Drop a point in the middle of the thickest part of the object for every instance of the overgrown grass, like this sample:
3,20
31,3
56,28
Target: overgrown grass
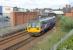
67,44
66,25
63,26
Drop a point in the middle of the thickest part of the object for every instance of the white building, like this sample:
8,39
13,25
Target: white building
59,12
6,10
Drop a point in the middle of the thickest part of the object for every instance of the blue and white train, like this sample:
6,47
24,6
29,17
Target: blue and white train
41,24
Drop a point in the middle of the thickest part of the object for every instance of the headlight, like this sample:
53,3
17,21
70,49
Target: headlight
29,28
37,28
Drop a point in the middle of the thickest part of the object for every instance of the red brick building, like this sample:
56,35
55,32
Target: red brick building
70,14
18,18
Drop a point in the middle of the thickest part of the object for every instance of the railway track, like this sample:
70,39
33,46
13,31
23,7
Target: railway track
10,41
16,41
5,40
10,36
20,44
34,41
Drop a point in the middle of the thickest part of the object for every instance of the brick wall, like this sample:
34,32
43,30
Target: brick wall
18,18
69,14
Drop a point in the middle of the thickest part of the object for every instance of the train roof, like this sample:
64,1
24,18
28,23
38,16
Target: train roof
43,17
48,18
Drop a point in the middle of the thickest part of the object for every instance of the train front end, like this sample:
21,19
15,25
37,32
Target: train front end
33,27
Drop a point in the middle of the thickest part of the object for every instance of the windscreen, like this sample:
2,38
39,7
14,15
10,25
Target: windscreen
34,24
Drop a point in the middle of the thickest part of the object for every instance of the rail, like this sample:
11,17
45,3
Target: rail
5,43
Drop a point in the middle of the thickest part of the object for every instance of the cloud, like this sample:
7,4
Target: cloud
35,3
71,2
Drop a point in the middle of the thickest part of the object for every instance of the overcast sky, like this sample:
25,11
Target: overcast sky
36,3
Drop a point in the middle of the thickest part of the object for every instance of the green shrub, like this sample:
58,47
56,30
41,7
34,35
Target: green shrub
66,23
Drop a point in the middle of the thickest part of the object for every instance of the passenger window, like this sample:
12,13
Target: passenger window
44,22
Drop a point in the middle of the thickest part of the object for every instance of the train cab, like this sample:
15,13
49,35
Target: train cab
33,27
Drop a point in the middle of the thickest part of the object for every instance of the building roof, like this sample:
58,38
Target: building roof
58,12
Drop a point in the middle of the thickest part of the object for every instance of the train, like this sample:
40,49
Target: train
41,24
